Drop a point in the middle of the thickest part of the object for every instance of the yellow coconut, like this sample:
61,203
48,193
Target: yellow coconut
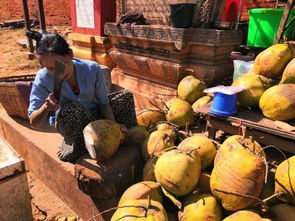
178,172
278,102
289,73
142,190
158,141
285,179
205,147
282,212
140,210
245,215
272,61
240,173
136,135
102,138
148,117
149,169
199,207
190,89
179,112
238,142
255,86
201,102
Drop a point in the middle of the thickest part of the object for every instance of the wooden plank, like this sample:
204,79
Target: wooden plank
284,18
261,137
253,120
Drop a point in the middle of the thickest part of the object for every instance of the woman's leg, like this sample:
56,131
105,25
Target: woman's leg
70,122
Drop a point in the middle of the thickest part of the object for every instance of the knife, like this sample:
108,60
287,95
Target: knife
60,68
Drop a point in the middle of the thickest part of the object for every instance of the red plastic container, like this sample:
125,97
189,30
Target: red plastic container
231,10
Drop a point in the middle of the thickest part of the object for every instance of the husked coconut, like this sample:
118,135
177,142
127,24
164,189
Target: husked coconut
102,138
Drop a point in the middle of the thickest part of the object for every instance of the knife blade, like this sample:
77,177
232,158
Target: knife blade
60,68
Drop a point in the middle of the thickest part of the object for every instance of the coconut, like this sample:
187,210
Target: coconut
237,178
199,207
178,172
238,142
245,215
149,169
201,102
158,141
179,112
190,89
272,61
206,149
278,102
102,138
142,209
204,182
136,135
288,76
255,86
143,190
148,117
285,179
282,212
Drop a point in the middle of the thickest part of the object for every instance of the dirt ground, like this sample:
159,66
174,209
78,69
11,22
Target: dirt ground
14,62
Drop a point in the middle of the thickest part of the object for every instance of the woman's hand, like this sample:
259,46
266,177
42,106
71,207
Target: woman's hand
123,128
51,103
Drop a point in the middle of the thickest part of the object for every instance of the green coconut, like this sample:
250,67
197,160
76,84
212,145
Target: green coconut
179,112
285,180
272,61
102,138
238,142
149,169
142,190
238,178
199,207
278,102
158,141
255,86
140,210
205,147
190,89
136,135
178,172
149,117
201,102
289,73
245,215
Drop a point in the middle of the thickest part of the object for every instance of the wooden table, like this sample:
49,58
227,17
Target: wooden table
262,129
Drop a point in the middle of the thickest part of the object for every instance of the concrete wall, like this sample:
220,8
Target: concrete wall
57,12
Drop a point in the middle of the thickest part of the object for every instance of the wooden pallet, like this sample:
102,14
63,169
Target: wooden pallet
262,129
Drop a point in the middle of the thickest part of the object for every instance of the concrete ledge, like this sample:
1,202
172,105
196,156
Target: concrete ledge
38,148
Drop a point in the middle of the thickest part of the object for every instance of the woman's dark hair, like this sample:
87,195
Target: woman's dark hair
48,42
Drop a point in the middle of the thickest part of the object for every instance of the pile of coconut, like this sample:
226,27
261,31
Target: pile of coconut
188,176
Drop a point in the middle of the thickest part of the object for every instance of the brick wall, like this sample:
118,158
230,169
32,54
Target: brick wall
256,4
57,12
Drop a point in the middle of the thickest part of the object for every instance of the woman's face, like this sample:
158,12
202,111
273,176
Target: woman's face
48,62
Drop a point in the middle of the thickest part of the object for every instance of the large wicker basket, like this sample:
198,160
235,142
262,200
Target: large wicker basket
11,98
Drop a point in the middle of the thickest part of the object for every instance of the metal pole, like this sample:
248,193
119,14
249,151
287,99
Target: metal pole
27,24
239,14
41,15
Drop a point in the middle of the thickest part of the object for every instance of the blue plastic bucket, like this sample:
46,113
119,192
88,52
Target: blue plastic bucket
224,105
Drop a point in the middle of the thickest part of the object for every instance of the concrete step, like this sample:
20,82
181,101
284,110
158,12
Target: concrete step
38,148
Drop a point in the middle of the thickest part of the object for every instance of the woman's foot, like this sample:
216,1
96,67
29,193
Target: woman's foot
70,152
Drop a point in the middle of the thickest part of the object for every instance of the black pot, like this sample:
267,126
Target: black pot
182,14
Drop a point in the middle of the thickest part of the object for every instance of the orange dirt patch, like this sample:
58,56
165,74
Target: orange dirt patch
14,57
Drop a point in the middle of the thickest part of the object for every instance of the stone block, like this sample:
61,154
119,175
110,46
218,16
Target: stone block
146,93
165,55
90,47
15,203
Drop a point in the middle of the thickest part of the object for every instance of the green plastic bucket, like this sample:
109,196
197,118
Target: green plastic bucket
263,26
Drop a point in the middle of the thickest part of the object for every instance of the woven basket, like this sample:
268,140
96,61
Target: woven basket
11,98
